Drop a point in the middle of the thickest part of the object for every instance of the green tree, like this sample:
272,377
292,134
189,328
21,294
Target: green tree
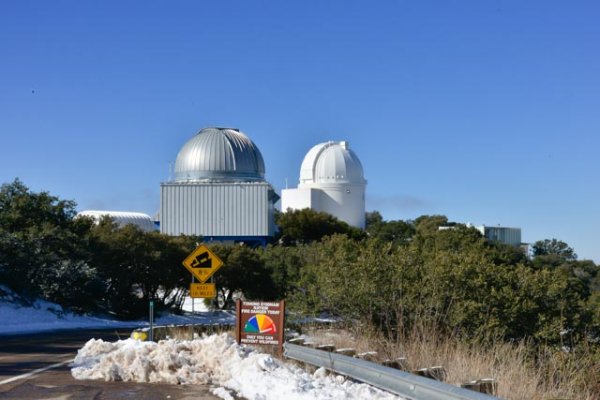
243,272
43,248
429,224
398,232
579,277
506,254
305,226
554,248
328,274
137,266
372,219
284,265
450,280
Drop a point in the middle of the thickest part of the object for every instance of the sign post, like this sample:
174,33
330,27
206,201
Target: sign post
202,263
260,323
152,320
193,312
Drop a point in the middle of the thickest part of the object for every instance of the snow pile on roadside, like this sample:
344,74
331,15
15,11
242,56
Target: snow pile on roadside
216,360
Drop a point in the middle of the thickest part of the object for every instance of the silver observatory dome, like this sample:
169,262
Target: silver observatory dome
219,154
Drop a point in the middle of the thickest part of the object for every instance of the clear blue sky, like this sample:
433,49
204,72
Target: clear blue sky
485,111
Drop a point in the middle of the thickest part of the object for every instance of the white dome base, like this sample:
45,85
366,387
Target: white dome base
345,202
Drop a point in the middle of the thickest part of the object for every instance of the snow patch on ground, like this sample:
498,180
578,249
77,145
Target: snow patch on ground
196,305
215,360
20,316
222,393
41,315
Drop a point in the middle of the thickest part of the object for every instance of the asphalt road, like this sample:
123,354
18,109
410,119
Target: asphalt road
36,366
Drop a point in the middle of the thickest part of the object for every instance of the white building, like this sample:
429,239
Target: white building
331,181
219,190
122,218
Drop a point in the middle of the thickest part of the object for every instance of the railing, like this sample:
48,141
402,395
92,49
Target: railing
409,386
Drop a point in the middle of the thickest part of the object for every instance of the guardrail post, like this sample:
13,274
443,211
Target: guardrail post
485,385
346,352
298,341
326,347
367,355
392,380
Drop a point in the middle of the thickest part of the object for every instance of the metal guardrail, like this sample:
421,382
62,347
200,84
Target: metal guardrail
404,384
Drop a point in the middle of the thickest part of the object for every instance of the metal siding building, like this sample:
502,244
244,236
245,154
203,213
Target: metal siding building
501,234
216,209
219,190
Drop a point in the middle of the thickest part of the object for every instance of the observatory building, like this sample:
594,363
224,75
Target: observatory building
219,190
122,218
511,236
331,181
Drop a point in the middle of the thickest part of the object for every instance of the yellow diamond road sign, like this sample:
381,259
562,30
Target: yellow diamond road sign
203,290
202,263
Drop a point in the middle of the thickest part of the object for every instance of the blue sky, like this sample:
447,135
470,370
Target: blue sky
484,111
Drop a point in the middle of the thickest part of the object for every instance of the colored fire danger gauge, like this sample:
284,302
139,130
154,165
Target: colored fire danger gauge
260,323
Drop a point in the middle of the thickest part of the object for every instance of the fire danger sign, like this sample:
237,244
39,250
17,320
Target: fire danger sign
260,323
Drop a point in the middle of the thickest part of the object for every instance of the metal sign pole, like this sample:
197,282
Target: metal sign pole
213,302
193,300
152,320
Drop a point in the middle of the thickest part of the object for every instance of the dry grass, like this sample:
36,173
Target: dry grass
549,374
555,375
186,332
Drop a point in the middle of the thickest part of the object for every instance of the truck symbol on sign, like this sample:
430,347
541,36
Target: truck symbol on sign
203,260
202,263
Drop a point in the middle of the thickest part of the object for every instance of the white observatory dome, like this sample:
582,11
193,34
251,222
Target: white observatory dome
331,181
219,154
331,162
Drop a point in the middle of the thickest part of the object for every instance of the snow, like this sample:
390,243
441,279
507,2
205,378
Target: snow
43,316
18,316
216,360
233,371
190,304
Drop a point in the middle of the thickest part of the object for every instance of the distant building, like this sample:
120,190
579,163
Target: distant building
331,181
219,190
511,236
123,218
